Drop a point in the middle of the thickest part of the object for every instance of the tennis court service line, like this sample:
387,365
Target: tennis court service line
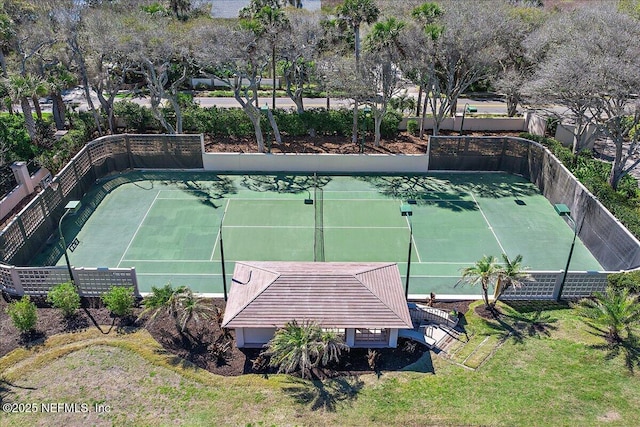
138,229
488,224
413,242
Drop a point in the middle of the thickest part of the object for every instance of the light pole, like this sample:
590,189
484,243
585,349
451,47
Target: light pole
563,210
405,210
224,275
72,207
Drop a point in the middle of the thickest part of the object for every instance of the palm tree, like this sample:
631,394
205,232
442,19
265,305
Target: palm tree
354,13
333,346
158,301
296,347
21,88
511,274
185,307
616,310
484,272
383,42
181,303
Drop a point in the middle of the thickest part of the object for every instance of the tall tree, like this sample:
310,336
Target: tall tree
426,15
161,48
385,52
591,68
354,13
270,22
298,54
484,271
238,57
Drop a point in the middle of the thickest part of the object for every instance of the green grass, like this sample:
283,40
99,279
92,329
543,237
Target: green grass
550,377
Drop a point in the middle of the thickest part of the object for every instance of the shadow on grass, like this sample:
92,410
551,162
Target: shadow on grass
628,348
521,325
6,389
325,394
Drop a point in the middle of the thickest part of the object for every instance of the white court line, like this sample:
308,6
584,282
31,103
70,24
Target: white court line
138,229
412,239
178,274
488,223
167,260
311,226
219,230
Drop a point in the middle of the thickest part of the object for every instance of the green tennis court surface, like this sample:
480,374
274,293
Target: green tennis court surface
167,225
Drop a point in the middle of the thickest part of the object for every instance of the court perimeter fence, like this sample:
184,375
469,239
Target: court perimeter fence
615,248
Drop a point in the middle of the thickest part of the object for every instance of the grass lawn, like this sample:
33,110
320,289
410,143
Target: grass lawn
533,369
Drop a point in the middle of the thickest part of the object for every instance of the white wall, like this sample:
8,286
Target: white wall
564,134
309,163
514,124
12,199
257,336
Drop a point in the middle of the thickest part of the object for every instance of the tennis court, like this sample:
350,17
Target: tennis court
168,225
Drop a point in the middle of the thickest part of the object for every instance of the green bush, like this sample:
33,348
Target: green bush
16,139
119,300
64,297
23,314
138,118
623,203
413,128
390,123
629,280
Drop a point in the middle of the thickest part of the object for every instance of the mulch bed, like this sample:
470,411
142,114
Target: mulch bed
404,143
199,344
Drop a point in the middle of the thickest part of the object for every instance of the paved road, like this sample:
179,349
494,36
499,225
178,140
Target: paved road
484,105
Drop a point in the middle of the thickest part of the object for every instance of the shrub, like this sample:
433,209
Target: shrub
137,117
629,280
64,297
412,127
23,314
389,125
119,300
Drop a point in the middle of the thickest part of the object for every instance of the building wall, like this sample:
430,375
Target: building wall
257,337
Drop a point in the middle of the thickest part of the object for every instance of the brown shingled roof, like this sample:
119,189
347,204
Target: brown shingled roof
334,294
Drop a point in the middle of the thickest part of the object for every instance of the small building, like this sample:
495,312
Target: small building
363,301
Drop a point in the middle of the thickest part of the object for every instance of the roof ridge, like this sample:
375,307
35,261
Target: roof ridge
257,294
366,285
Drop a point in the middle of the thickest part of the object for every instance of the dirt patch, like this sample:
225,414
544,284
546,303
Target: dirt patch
610,417
51,322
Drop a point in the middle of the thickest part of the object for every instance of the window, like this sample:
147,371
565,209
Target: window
371,335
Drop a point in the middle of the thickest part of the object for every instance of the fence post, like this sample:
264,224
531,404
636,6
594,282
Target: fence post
15,279
557,287
134,281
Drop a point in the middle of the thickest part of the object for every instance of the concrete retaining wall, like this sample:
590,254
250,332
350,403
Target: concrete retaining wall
309,163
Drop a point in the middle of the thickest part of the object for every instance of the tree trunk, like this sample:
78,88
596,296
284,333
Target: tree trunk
59,110
274,126
485,294
376,125
273,76
354,130
36,106
512,105
424,115
29,123
617,172
419,100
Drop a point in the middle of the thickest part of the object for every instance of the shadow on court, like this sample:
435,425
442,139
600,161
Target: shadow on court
451,192
293,184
